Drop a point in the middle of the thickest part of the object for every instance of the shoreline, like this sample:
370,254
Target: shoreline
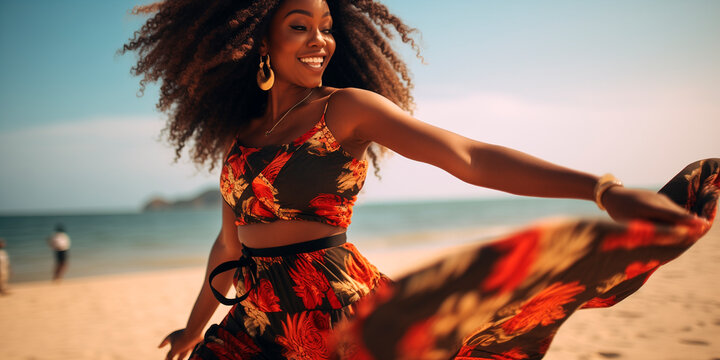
417,242
126,243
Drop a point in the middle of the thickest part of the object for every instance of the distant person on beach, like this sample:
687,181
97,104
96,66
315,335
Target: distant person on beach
60,243
295,99
4,268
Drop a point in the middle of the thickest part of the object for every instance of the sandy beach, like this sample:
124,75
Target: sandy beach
676,315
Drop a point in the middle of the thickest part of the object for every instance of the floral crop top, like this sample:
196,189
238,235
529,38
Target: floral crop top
311,178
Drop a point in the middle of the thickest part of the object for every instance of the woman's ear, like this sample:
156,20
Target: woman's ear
263,49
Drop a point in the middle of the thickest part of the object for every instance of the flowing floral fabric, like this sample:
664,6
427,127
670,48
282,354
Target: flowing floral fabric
503,300
506,300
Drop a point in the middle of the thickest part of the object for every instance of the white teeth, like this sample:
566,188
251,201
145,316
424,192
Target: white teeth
313,61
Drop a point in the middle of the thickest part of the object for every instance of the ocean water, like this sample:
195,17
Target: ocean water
121,243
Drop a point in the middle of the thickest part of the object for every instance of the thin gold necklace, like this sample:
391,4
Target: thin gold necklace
267,133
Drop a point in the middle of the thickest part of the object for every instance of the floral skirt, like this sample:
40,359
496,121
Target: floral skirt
503,300
294,299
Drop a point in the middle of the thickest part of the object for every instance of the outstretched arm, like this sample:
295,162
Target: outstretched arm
226,247
376,119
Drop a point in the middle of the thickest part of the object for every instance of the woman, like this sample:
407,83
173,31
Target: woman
329,92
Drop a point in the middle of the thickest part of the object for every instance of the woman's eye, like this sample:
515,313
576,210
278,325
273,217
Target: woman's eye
328,31
298,27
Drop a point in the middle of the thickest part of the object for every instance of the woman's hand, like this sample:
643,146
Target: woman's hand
624,204
181,342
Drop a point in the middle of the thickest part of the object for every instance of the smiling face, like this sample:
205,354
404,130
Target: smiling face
300,42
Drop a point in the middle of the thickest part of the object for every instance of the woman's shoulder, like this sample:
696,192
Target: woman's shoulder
359,103
350,95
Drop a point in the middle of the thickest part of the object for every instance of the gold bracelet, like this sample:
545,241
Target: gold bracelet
604,183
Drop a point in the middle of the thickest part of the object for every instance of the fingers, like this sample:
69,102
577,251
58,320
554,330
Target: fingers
165,341
169,355
172,354
168,340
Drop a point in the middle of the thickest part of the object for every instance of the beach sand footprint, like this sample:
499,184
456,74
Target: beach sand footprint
629,314
609,355
694,342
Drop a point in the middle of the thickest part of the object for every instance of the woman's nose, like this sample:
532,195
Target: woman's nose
317,38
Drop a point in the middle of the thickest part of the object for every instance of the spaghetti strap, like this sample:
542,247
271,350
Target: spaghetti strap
328,102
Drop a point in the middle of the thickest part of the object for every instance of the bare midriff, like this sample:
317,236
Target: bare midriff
284,232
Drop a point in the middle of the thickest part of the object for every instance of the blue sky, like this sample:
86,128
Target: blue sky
58,62
622,86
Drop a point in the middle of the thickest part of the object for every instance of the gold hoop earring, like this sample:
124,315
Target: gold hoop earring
265,82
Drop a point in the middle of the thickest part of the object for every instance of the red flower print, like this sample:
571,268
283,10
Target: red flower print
227,185
310,284
245,153
265,262
232,183
383,292
509,272
321,141
263,296
236,164
302,139
693,184
319,257
314,256
326,202
264,192
464,354
360,269
353,176
305,335
346,342
639,267
600,302
359,168
334,208
252,206
418,340
512,354
544,308
639,233
329,142
317,146
273,168
220,351
231,347
333,299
